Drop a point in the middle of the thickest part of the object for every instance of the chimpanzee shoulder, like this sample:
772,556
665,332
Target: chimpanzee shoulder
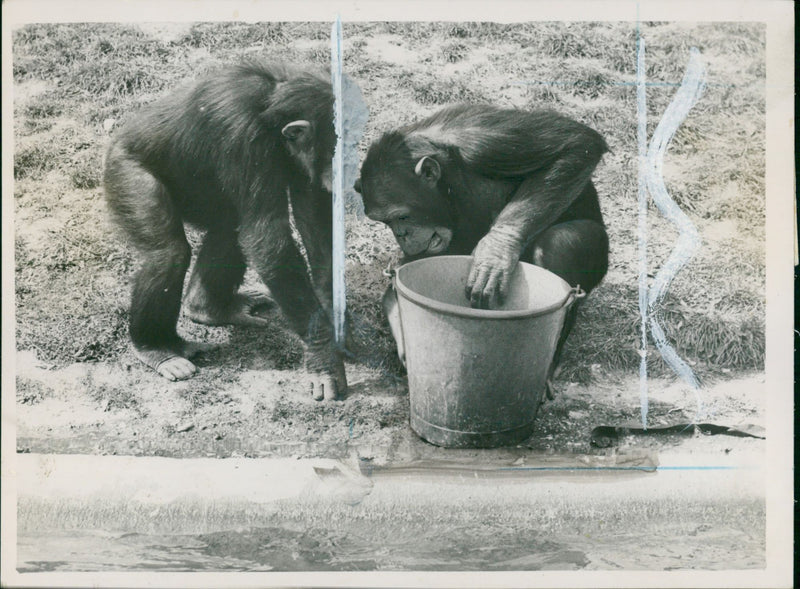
507,142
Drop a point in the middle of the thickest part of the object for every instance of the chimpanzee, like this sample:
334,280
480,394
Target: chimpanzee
501,184
228,155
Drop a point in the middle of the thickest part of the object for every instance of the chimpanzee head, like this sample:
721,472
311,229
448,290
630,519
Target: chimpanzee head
400,185
302,108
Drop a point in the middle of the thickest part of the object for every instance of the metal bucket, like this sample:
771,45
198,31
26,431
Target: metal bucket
476,377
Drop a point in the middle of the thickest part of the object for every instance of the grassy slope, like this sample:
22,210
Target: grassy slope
72,268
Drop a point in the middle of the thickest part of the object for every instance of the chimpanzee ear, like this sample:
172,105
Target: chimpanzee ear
297,130
428,169
357,185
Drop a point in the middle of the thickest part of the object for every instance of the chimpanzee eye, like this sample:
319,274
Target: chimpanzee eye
402,218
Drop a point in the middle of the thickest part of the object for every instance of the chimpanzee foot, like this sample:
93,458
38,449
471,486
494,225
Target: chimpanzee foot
167,363
242,310
176,368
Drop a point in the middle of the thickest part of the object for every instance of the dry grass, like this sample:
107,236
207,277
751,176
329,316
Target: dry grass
75,82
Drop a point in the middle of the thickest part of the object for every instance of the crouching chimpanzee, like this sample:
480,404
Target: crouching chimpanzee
503,185
227,155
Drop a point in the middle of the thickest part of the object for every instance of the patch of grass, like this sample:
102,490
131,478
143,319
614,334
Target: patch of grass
85,169
586,79
234,35
38,113
33,161
112,398
31,392
204,395
712,341
432,89
541,95
75,152
455,51
64,51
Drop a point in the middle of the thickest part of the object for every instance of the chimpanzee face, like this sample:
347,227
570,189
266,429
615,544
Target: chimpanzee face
416,236
419,228
312,151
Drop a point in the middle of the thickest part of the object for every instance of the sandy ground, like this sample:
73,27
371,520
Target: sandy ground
224,411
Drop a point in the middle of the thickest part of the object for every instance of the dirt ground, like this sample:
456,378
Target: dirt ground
233,410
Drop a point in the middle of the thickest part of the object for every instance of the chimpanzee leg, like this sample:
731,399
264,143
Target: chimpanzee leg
577,251
268,245
212,296
143,207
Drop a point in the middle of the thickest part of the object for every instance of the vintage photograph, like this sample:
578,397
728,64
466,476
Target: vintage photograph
381,296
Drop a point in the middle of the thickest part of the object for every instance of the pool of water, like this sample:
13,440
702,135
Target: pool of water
372,546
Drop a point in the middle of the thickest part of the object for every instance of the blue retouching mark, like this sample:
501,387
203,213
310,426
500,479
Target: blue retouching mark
651,180
337,182
688,241
633,468
641,133
350,117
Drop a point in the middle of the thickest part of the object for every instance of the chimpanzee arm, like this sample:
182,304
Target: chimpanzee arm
267,242
571,152
312,213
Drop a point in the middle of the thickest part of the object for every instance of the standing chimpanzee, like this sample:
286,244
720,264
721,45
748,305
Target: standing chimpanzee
502,184
226,155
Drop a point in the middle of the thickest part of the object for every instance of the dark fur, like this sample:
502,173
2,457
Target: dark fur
486,155
523,176
213,155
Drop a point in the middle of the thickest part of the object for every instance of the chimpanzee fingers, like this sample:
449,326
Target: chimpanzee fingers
491,290
485,291
316,389
502,289
488,290
471,279
245,317
325,368
478,286
331,390
324,387
252,298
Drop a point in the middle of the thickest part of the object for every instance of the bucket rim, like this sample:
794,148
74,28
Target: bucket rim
469,312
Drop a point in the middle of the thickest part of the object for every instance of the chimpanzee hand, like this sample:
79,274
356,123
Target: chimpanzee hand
325,372
494,259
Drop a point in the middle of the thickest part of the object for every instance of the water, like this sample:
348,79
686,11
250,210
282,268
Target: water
390,546
291,548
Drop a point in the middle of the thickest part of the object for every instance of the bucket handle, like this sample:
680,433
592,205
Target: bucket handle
575,294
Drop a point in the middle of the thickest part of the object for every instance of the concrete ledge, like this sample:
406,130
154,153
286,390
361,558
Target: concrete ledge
149,494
